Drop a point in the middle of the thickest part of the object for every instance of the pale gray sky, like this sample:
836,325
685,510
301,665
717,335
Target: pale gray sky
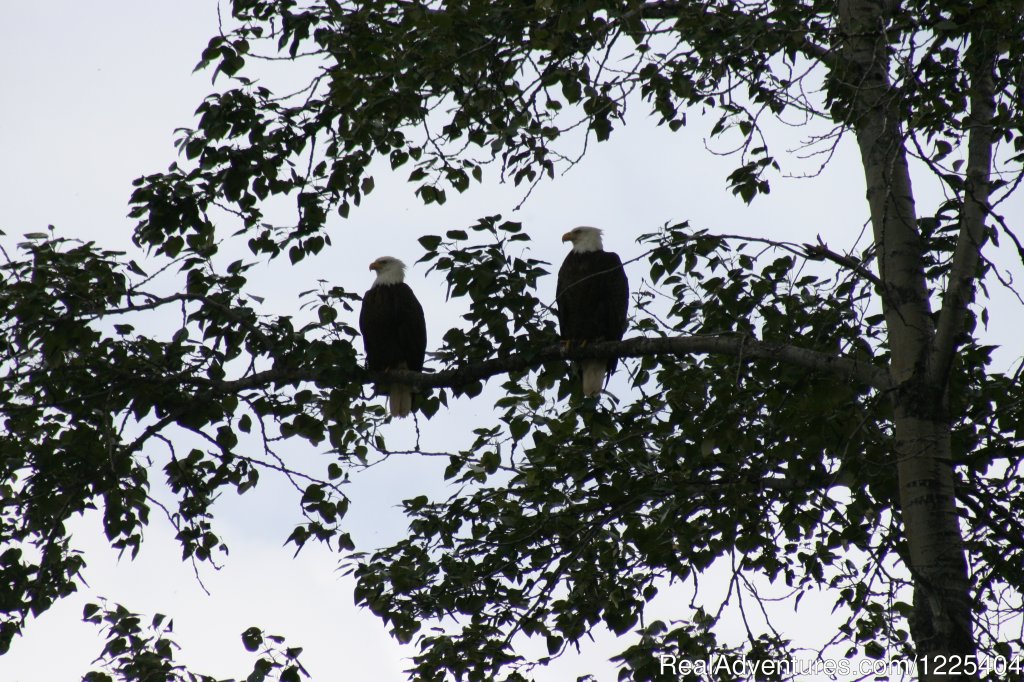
93,92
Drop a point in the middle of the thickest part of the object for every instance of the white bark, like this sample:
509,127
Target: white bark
941,622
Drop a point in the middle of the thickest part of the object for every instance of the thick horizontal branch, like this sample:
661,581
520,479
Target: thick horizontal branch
744,348
726,344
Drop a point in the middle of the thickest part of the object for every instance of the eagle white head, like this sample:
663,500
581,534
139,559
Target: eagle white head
389,270
584,239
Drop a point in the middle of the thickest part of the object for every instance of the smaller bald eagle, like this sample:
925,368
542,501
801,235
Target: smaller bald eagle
393,329
592,298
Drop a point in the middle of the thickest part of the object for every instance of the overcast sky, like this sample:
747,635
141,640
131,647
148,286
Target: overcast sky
92,95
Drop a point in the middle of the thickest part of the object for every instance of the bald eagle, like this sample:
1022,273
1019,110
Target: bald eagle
393,329
592,298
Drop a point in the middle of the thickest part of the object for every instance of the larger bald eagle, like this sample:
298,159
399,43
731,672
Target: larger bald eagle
592,298
393,329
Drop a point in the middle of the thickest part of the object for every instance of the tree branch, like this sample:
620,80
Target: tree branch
674,9
857,369
980,62
731,344
820,251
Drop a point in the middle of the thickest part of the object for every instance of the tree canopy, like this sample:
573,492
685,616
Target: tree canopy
823,416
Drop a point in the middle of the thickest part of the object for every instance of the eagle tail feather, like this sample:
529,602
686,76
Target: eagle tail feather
594,372
400,400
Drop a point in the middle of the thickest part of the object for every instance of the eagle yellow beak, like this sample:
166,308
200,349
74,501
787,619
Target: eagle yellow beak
374,265
567,237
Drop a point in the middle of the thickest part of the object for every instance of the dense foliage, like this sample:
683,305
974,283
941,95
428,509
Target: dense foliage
761,424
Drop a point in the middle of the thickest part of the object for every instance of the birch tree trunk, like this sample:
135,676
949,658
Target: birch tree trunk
941,622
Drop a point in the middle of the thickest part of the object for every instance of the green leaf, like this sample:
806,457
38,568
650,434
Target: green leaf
430,242
252,639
